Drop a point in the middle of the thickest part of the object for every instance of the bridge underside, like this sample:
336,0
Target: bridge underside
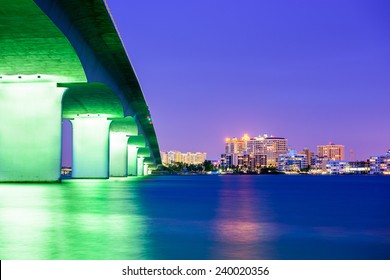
64,60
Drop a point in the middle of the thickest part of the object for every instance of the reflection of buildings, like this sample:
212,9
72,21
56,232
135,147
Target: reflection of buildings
188,158
332,151
380,164
252,152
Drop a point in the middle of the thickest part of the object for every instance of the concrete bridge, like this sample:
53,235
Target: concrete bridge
64,59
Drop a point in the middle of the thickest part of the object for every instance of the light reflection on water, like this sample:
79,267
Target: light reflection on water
198,217
240,223
72,220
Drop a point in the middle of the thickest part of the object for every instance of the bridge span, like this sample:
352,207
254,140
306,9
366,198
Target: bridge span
64,59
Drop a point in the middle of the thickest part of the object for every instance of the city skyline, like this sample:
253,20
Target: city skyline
311,72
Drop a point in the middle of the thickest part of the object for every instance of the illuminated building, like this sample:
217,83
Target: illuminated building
258,151
309,155
380,164
332,151
269,146
244,161
235,146
337,167
292,162
171,157
318,165
358,167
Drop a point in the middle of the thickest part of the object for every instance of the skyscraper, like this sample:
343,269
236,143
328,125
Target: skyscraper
331,151
234,145
270,147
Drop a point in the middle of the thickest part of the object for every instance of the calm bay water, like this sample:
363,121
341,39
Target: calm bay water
198,217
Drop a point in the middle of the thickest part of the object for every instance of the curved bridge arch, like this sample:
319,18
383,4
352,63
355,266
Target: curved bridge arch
70,42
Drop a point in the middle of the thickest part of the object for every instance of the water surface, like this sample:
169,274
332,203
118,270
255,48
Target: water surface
198,217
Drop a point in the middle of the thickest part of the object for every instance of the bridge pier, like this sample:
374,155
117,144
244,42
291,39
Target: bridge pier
120,131
132,160
118,154
134,143
84,73
90,107
142,153
140,166
90,147
30,129
146,169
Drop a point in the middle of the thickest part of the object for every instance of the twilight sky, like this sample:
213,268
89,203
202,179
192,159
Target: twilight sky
310,71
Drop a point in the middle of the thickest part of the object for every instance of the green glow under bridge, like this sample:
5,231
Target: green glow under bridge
64,59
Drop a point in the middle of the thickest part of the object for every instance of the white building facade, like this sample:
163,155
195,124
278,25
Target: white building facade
292,162
380,164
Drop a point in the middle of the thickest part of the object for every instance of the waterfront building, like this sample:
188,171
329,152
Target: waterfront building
251,162
256,162
337,167
292,161
358,167
267,146
309,155
174,156
332,151
243,161
193,158
380,164
164,157
235,146
318,165
224,161
170,157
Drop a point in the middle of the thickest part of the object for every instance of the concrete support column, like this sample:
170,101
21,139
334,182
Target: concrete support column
140,166
30,129
134,144
146,169
90,147
118,154
132,160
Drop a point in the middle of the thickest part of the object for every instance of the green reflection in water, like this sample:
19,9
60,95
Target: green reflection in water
78,219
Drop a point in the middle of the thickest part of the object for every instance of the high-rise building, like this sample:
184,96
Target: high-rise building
244,161
188,158
331,151
235,146
309,155
269,146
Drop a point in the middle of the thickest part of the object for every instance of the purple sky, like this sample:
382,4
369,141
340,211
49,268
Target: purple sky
310,71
